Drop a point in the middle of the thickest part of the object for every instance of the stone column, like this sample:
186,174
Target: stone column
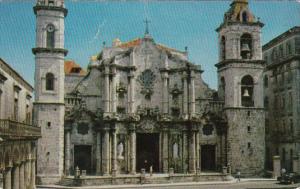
198,163
131,88
21,176
192,94
165,95
105,151
15,177
132,149
98,153
27,173
67,150
7,178
32,164
276,166
192,154
184,151
113,91
114,150
165,151
106,89
185,93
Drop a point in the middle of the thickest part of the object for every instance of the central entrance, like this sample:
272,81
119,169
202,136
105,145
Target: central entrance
147,151
82,157
208,157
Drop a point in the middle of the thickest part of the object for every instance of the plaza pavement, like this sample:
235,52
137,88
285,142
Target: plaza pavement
244,184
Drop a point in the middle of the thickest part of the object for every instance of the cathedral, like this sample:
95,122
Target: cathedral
143,107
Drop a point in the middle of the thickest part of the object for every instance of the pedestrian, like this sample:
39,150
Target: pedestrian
238,176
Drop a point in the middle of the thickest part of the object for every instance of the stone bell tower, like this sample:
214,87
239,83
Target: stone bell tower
240,70
49,105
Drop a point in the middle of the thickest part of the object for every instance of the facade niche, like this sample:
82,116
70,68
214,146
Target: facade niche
246,46
247,91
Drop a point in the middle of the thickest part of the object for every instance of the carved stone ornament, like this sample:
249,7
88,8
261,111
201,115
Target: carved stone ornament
82,128
147,79
121,90
146,111
207,129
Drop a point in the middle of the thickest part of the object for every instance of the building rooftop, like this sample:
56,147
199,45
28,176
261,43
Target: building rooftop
9,70
281,37
72,68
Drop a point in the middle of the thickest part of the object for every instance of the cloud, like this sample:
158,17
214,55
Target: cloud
98,33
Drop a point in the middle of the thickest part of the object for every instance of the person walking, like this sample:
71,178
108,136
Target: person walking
238,176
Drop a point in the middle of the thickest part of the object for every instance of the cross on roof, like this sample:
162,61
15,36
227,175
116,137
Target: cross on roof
147,25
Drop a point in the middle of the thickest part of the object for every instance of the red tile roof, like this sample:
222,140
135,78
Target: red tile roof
72,68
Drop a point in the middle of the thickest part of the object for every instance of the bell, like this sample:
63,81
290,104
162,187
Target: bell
246,93
245,47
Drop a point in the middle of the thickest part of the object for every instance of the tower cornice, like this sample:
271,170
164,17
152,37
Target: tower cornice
235,61
229,23
52,8
49,50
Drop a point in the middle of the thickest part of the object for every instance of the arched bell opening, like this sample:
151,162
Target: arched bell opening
247,86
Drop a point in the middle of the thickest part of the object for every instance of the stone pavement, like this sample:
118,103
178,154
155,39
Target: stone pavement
244,184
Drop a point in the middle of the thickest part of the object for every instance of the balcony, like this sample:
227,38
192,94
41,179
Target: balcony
14,130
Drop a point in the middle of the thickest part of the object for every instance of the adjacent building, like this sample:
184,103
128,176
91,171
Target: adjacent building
17,134
282,97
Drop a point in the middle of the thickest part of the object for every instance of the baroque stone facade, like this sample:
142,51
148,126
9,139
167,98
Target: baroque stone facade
143,105
282,98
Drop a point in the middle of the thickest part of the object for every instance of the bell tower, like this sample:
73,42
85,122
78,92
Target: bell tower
49,108
240,70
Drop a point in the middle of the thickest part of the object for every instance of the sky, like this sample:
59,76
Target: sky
173,23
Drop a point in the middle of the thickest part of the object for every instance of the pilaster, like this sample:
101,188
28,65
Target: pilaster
105,150
7,178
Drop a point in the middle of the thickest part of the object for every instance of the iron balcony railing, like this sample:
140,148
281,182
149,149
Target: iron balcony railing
15,130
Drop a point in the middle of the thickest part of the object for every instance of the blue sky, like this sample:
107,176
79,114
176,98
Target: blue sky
174,23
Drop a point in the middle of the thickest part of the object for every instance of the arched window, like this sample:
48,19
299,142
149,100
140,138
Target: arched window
49,82
246,46
245,17
247,91
50,36
223,48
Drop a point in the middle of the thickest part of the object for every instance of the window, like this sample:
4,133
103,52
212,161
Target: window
49,82
281,51
245,16
249,144
266,81
247,91
16,109
288,48
50,36
249,129
223,48
246,46
274,55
